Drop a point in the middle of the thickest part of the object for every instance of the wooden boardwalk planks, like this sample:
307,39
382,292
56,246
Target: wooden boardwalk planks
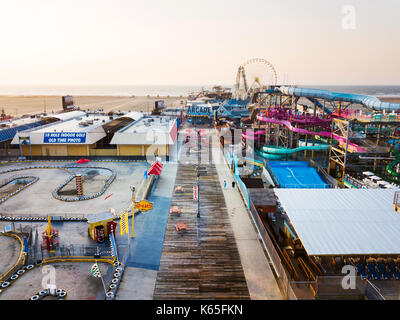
203,263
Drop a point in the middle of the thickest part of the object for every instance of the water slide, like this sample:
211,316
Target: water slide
305,131
253,135
276,153
391,167
368,101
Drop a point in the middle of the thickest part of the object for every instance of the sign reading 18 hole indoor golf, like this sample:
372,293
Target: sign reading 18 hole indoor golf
64,137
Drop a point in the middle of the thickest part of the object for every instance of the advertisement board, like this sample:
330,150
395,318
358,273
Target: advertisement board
64,137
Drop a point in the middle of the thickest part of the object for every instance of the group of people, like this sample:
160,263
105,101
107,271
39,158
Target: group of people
233,184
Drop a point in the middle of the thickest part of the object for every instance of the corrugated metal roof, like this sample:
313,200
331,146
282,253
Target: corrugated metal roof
8,134
343,221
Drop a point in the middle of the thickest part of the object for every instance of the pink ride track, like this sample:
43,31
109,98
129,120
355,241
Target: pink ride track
305,131
254,135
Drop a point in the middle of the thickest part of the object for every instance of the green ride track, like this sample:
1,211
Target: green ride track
390,168
276,153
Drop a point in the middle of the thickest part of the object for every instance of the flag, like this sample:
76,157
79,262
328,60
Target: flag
48,229
113,245
124,223
95,270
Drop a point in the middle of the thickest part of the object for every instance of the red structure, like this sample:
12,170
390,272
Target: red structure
83,161
155,168
5,116
50,240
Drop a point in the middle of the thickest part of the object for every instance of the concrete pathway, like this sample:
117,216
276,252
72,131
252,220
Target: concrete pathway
260,279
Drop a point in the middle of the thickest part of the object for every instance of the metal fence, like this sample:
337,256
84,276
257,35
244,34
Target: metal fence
37,253
372,292
275,259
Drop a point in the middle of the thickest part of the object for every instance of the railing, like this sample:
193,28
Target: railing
21,258
271,173
353,182
241,186
337,287
372,292
327,178
275,259
369,117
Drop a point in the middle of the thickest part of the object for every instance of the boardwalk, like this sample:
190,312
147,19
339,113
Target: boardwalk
203,263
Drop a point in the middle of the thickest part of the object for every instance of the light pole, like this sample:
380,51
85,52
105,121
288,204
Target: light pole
133,210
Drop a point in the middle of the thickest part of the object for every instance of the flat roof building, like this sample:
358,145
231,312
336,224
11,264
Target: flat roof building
83,134
77,134
341,222
149,136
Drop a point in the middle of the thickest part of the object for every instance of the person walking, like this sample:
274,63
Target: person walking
224,184
233,184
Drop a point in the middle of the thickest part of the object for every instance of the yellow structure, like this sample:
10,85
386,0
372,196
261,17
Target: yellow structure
79,185
99,221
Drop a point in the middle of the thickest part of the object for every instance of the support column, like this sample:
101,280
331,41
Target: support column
79,185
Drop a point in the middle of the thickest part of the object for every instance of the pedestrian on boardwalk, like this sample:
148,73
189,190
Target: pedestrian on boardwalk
224,184
233,184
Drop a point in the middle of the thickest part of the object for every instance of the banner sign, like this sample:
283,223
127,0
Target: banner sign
64,137
199,111
143,205
195,193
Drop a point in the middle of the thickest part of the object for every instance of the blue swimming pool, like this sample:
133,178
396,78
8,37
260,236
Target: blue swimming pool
297,174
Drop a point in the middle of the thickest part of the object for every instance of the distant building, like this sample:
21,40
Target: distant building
82,134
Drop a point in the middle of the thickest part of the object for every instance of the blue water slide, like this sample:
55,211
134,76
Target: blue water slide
320,105
368,101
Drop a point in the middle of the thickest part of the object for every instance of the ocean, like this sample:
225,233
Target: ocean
166,90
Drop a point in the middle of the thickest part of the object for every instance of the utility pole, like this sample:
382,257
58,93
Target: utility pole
133,211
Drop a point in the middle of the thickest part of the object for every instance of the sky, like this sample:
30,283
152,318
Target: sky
198,42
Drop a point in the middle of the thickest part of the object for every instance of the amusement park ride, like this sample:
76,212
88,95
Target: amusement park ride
242,89
346,133
50,238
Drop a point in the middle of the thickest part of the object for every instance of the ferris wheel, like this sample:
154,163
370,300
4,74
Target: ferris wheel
261,74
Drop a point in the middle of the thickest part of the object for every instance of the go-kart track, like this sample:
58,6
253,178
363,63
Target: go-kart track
55,183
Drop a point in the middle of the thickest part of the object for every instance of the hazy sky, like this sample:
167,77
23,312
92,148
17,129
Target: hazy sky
196,42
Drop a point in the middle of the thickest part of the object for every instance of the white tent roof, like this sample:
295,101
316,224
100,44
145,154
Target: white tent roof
343,221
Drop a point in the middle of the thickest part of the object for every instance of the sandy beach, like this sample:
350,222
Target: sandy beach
22,105
391,99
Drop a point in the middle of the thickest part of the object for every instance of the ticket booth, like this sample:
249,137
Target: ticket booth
101,225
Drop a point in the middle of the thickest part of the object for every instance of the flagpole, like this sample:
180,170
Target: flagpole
133,212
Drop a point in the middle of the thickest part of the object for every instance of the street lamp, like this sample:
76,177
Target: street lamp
133,210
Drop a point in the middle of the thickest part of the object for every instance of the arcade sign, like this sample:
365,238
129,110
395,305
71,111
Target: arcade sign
199,111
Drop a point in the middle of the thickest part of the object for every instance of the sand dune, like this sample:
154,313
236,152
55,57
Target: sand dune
21,105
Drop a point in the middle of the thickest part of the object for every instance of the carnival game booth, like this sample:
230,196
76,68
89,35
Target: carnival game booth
100,225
